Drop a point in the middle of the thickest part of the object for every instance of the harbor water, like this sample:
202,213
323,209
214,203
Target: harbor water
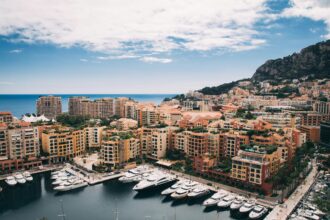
35,200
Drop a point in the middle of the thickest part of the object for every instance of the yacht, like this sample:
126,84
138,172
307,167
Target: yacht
10,180
60,174
247,207
183,191
70,186
27,176
237,203
258,212
172,189
226,202
215,198
135,174
199,191
19,178
154,180
308,214
59,180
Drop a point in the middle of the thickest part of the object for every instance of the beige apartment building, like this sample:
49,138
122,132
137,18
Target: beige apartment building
116,151
119,106
98,108
63,143
231,142
50,106
93,137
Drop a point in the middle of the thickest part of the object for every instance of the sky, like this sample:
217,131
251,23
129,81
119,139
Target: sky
148,46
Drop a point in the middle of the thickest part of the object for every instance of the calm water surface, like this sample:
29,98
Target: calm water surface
36,200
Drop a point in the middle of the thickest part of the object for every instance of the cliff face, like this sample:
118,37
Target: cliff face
312,61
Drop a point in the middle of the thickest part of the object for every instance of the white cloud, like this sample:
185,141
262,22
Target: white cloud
83,60
155,60
16,51
317,10
133,27
119,57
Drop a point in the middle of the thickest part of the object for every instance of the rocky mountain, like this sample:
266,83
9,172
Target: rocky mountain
313,61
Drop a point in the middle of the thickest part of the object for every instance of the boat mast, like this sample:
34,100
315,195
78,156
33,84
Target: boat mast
62,210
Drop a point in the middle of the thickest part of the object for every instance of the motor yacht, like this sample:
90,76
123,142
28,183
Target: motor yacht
135,174
198,191
308,214
154,180
247,207
258,212
183,191
60,174
215,198
226,201
70,186
237,203
27,176
20,178
172,189
10,180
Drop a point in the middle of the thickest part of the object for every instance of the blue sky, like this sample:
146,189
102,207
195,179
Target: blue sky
148,46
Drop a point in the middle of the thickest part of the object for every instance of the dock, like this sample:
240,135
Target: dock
283,211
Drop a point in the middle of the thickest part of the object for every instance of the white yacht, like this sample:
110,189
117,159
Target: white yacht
198,191
27,176
258,212
19,178
247,207
10,180
60,174
226,202
70,186
308,214
215,198
154,180
237,203
60,180
183,191
173,188
135,174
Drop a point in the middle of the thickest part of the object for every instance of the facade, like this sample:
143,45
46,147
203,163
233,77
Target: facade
6,117
255,165
230,143
93,137
98,108
322,107
146,116
50,106
314,119
119,106
117,151
63,144
325,134
312,132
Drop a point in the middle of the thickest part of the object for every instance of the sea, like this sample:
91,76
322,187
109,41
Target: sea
111,200
22,104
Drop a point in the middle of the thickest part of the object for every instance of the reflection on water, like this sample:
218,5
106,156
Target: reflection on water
37,199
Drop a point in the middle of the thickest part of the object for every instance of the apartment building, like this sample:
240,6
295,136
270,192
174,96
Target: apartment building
322,107
93,137
98,108
6,117
124,124
116,151
231,142
23,143
282,120
49,106
130,109
254,165
313,119
119,106
63,144
324,134
312,132
19,147
146,116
